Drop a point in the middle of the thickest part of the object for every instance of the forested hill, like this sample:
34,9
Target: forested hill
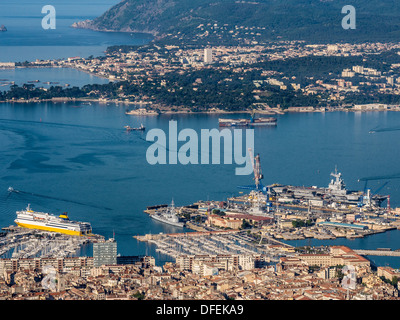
312,20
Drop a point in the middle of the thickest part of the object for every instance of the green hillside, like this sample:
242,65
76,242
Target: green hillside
315,20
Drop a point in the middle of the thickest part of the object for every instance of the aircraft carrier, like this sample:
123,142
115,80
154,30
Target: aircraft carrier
335,194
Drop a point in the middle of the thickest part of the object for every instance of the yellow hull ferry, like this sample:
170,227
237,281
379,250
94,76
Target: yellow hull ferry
47,222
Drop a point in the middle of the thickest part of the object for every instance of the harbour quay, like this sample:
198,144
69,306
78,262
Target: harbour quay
267,216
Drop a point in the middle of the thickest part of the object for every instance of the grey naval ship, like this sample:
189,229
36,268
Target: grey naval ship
335,194
168,216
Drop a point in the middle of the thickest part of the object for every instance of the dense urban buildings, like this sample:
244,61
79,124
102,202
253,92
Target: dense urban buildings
203,278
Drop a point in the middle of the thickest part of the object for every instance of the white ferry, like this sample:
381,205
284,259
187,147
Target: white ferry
47,222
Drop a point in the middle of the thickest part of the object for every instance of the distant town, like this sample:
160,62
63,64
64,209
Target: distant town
271,78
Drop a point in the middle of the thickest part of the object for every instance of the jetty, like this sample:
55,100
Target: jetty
378,252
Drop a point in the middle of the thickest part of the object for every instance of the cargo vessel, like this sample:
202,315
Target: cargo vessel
270,121
44,221
141,128
168,216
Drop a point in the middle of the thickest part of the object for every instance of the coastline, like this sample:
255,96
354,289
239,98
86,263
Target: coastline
373,107
62,67
171,112
89,25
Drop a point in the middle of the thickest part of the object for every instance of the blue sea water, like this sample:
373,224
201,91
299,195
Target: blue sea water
56,76
26,40
78,158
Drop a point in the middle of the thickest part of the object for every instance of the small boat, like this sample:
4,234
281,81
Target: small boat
141,128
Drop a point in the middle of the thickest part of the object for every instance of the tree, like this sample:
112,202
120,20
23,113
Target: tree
339,272
138,295
218,212
298,223
245,225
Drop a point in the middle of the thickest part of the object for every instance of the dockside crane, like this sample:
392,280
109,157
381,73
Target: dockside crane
255,162
367,195
258,176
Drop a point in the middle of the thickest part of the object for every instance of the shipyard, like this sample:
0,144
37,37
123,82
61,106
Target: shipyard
255,224
260,224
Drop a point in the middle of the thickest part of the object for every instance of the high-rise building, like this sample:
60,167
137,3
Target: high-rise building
358,69
207,55
105,253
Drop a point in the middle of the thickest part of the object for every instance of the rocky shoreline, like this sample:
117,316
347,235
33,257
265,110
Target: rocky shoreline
154,111
90,25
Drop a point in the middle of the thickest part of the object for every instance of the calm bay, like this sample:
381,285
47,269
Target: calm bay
77,157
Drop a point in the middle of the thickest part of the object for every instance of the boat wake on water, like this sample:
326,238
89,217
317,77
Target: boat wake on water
387,177
12,190
110,133
388,129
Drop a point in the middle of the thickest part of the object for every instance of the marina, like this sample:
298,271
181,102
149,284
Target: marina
43,235
210,243
22,243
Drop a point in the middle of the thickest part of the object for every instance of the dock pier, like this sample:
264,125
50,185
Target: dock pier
385,253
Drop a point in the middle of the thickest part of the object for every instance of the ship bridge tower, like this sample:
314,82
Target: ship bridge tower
337,184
